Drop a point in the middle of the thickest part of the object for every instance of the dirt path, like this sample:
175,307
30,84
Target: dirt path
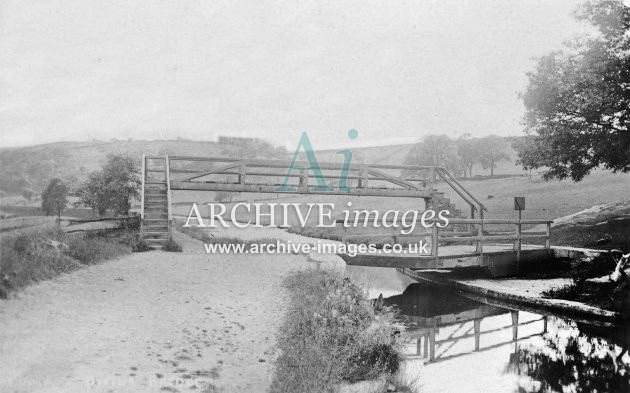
148,322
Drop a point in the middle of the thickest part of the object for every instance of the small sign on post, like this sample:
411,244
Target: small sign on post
519,203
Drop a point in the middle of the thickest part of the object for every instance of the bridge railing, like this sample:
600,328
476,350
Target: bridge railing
477,236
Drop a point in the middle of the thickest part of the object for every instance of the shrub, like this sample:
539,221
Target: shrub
28,257
331,334
172,246
140,246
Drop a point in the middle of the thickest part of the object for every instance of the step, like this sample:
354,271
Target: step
155,198
156,235
155,215
154,191
158,226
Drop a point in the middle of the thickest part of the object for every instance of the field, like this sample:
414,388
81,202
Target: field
546,200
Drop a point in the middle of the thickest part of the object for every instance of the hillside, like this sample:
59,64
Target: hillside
32,167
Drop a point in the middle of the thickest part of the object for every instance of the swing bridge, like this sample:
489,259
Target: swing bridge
468,242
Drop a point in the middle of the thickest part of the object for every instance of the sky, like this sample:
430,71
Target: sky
74,70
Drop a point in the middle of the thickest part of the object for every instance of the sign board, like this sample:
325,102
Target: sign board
519,203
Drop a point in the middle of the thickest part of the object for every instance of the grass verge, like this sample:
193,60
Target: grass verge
331,335
32,256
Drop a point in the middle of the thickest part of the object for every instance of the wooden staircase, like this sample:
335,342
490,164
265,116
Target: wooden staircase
156,217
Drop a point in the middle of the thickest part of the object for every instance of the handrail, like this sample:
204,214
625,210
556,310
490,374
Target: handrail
167,169
144,175
144,169
285,163
442,171
480,236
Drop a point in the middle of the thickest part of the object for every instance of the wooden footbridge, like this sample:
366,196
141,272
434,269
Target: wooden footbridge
470,245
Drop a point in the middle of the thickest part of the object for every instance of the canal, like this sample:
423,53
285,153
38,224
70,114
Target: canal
456,344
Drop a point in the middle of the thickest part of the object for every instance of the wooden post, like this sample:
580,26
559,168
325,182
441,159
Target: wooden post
431,343
144,171
479,248
242,170
434,240
167,174
426,345
514,325
477,326
548,233
518,242
364,173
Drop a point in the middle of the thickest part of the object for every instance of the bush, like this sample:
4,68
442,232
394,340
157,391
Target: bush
140,246
331,334
172,246
28,257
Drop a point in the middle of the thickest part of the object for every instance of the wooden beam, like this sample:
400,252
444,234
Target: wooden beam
214,171
271,188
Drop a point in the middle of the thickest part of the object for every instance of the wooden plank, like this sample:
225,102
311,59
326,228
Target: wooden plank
285,163
212,171
269,188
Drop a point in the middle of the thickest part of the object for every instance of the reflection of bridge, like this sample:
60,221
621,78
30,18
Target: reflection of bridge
426,311
425,333
476,247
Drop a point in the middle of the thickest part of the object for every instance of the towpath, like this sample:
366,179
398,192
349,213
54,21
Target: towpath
148,322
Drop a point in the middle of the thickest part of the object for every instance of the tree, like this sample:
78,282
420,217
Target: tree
434,150
55,197
121,175
578,98
113,186
492,150
93,193
27,193
468,152
531,152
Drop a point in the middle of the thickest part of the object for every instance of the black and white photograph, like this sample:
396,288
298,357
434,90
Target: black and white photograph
415,196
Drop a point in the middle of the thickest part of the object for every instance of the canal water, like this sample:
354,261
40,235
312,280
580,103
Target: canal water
456,344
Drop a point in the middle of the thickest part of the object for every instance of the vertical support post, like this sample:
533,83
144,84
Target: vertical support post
518,242
479,248
242,170
434,241
364,174
426,346
167,174
303,178
419,346
477,326
514,325
547,234
144,175
545,324
432,343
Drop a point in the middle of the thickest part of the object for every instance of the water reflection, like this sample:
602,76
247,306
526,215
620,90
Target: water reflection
466,345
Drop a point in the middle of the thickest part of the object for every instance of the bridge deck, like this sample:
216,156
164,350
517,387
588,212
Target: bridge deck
452,256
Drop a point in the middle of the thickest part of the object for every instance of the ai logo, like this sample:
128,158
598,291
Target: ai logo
313,166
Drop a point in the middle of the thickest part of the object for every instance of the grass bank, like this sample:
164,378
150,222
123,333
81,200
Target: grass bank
333,335
31,256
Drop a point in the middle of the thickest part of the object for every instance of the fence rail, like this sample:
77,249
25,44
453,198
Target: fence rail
477,235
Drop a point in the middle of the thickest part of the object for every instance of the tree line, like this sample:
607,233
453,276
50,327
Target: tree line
110,188
460,155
